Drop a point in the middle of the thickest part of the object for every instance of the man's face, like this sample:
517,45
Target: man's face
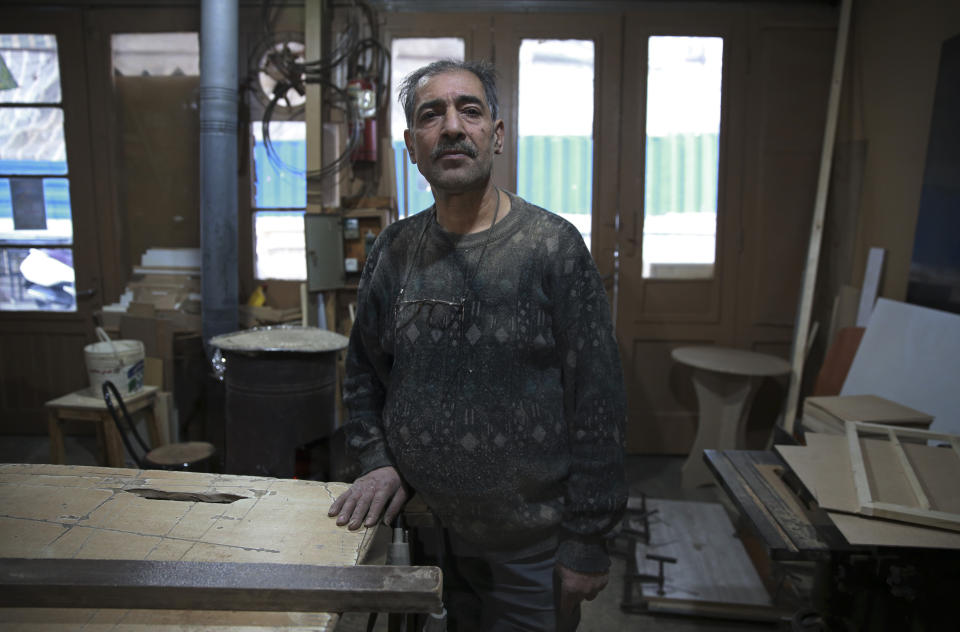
453,137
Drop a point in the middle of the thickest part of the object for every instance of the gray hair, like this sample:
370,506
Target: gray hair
483,70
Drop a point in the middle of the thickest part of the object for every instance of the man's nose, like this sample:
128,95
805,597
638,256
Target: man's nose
452,125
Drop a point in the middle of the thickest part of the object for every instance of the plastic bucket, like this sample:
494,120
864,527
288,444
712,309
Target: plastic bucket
119,361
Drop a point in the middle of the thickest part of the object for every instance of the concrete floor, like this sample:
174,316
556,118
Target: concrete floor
656,476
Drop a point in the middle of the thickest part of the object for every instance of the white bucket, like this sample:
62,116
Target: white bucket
119,361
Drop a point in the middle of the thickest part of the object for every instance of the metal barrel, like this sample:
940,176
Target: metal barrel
276,401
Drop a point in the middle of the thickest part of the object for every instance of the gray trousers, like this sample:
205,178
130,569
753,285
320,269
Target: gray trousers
503,592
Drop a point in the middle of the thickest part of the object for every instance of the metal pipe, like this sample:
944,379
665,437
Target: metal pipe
218,166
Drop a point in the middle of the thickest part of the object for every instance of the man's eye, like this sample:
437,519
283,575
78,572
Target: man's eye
427,115
472,112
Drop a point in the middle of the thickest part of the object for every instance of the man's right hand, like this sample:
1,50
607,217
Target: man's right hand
364,502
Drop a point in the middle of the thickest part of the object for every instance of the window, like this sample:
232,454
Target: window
279,200
408,54
36,223
555,128
682,156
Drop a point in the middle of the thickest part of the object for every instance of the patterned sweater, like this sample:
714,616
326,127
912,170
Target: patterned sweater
484,368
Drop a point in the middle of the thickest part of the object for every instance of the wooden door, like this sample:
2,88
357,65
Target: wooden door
41,346
656,315
603,31
776,71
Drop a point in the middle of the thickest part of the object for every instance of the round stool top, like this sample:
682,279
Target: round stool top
731,361
181,453
281,338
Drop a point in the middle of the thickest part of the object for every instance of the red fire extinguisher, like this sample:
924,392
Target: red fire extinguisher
365,98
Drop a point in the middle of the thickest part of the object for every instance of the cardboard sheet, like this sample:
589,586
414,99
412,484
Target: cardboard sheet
56,511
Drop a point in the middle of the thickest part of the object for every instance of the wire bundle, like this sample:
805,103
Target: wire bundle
365,57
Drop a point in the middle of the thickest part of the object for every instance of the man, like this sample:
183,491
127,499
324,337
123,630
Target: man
483,373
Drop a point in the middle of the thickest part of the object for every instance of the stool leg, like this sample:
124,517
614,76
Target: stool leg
112,441
57,452
101,445
153,424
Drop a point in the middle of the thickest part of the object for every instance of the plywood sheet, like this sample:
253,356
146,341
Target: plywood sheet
909,355
56,511
823,465
862,531
824,468
712,564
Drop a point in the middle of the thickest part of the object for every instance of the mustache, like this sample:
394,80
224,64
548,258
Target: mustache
461,147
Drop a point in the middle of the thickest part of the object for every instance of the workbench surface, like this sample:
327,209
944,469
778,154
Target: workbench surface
74,512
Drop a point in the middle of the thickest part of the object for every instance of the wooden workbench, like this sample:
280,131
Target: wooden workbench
79,512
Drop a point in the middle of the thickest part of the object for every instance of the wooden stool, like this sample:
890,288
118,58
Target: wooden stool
725,381
85,405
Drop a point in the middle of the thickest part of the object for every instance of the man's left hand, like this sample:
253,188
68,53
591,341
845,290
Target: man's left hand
576,586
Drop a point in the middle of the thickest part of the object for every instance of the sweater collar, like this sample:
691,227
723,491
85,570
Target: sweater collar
503,228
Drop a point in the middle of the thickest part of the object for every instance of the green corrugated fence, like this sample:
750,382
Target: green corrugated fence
556,172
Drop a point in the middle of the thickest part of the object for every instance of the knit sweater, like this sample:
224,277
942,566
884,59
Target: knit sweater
484,368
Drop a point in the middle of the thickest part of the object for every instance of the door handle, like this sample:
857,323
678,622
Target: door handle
85,294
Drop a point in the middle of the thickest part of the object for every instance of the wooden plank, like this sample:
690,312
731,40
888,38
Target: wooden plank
805,306
712,572
927,517
882,429
865,408
873,532
60,583
921,497
797,527
762,521
860,483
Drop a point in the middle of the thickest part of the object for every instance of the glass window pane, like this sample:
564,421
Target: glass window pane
408,54
37,279
156,54
682,156
32,63
280,184
555,143
280,245
31,141
44,220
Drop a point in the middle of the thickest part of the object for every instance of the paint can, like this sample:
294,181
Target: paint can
119,361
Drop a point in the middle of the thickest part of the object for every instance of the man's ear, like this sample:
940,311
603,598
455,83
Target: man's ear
498,136
408,140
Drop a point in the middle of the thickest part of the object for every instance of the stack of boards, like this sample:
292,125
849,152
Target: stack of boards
828,415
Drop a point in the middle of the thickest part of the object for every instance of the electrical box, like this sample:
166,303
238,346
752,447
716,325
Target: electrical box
324,240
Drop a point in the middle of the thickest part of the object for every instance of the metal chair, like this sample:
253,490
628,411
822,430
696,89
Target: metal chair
191,455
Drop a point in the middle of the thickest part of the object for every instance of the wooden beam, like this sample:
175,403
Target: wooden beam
135,584
805,306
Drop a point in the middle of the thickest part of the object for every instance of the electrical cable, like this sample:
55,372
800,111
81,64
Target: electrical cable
292,74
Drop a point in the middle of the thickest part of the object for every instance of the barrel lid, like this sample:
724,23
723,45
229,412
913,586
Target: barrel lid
281,338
